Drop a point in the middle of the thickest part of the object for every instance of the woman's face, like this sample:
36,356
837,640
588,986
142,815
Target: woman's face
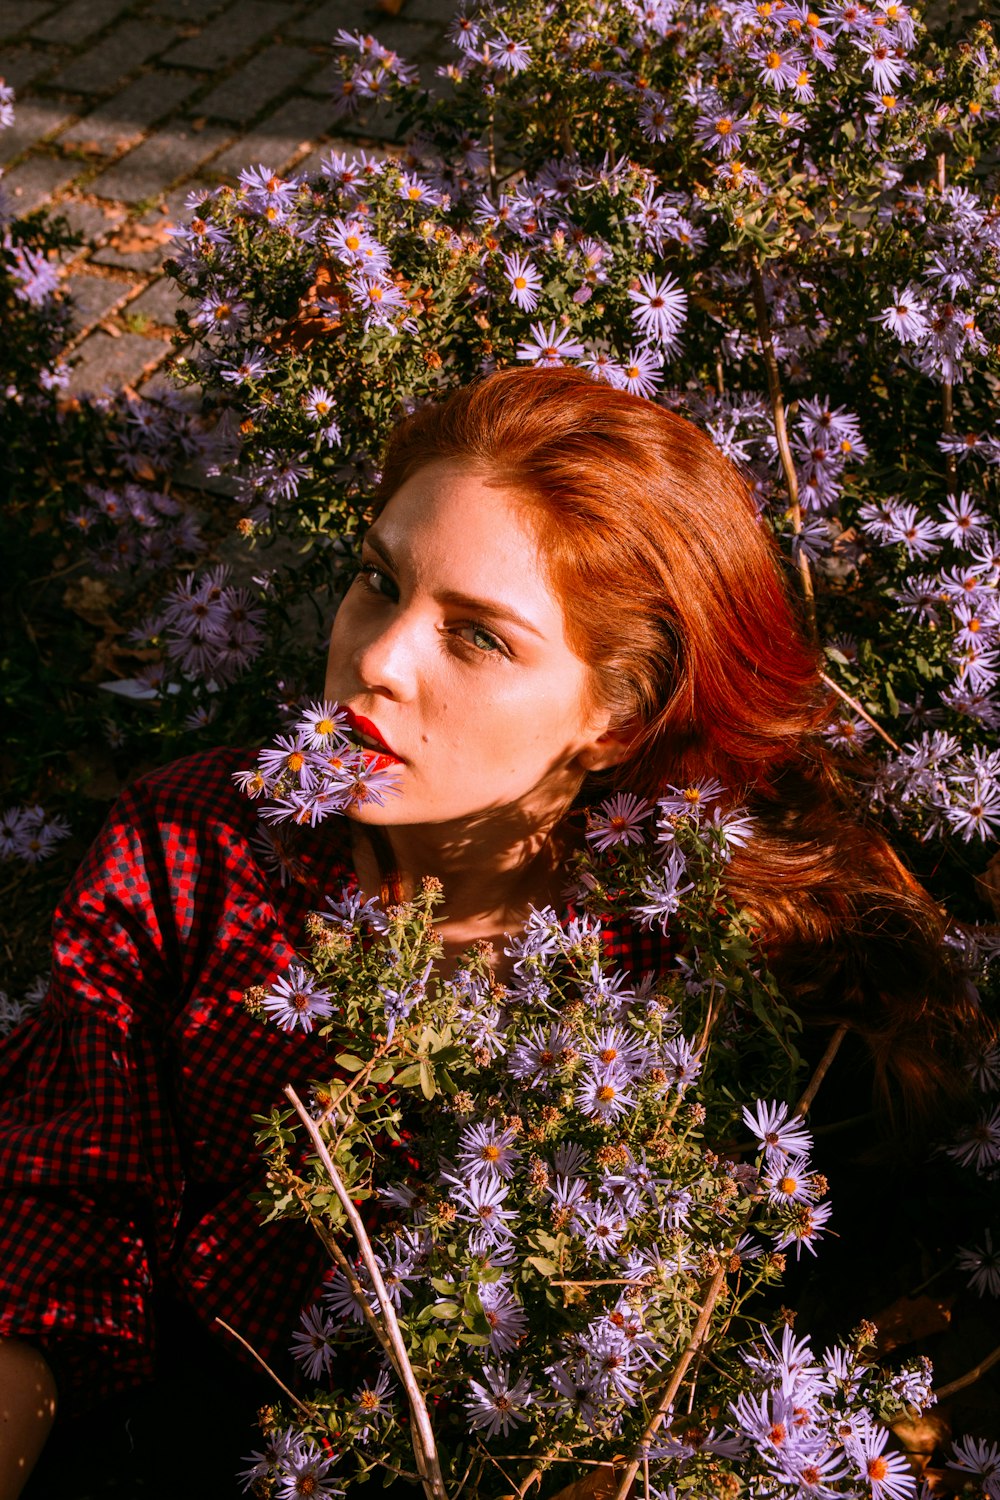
452,644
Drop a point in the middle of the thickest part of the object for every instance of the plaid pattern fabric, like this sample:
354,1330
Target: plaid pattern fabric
126,1139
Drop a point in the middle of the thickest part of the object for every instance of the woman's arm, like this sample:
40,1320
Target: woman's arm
27,1407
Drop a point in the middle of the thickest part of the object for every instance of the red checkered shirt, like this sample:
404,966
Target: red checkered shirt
127,1151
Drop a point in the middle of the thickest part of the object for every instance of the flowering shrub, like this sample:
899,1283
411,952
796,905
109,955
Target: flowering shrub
560,1231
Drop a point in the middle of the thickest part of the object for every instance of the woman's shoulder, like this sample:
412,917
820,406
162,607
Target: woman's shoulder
197,788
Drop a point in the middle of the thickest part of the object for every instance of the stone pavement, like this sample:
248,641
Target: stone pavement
124,106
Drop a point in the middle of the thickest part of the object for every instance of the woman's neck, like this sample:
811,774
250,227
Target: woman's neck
490,875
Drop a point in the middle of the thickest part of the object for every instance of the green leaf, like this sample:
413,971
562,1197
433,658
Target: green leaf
349,1062
445,1310
427,1084
410,1076
542,1265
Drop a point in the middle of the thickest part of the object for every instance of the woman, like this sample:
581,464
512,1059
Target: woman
565,589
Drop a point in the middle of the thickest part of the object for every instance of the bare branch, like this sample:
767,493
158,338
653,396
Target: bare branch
424,1445
674,1384
969,1378
822,1068
781,435
859,710
308,1411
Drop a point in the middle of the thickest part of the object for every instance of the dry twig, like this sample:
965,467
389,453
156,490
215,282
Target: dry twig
424,1445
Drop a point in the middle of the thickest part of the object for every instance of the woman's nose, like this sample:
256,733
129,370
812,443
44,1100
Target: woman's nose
387,660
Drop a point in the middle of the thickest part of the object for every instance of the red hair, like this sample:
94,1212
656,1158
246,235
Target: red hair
675,593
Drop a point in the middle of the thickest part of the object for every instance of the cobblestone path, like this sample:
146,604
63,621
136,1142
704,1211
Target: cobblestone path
122,108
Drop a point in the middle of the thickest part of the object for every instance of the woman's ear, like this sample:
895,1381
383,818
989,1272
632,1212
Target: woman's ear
608,749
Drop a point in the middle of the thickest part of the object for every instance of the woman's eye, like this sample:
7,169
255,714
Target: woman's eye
483,640
377,582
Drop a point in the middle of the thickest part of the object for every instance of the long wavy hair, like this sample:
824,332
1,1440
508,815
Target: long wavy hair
676,595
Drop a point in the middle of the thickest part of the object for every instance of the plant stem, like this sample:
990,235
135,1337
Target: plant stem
860,711
308,1411
674,1384
969,1378
424,1446
822,1069
781,436
947,390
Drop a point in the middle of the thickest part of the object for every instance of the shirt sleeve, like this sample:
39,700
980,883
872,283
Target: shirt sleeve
90,1181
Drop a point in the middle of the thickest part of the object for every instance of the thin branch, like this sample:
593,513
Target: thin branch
859,710
781,435
970,1378
308,1411
674,1384
822,1068
526,1484
424,1446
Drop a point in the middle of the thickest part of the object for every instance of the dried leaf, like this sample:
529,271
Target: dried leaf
200,123
989,884
923,1434
912,1318
390,7
93,601
140,237
600,1484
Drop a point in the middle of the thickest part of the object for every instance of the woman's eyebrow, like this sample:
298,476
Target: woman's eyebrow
453,596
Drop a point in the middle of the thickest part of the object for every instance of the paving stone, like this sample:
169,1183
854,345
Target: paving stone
228,35
245,93
21,15
298,122
133,111
120,52
33,121
153,167
181,11
35,180
89,219
23,65
106,361
158,302
75,22
437,12
322,22
92,297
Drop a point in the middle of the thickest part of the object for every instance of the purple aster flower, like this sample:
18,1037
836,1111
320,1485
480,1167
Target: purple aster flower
413,189
313,1345
550,346
488,1148
721,130
400,1000
504,52
681,1063
885,62
615,1050
352,912
506,1317
605,1096
221,310
888,1474
320,724
296,998
655,118
306,1470
287,757
906,316
480,1202
524,281
980,1458
962,522
600,366
780,1136
496,1402
662,893
641,372
778,67
371,1404
618,821
790,1181
806,1224
660,307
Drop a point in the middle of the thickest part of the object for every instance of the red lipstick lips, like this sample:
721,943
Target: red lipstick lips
365,728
